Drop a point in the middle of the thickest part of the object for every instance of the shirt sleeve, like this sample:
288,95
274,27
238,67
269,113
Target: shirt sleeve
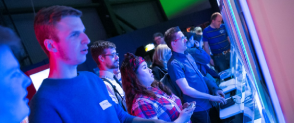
43,112
204,38
175,71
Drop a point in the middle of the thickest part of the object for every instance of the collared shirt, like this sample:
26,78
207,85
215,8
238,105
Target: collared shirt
217,39
109,76
193,76
164,107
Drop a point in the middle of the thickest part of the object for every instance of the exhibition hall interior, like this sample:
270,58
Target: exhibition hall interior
181,61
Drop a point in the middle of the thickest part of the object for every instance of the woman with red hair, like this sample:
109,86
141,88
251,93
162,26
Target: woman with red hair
148,98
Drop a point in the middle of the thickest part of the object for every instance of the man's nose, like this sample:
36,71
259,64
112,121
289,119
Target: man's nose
26,80
85,39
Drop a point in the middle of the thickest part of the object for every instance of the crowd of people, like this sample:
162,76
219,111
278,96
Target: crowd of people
131,93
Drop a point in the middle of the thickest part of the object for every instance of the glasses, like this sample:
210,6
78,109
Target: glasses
182,38
112,54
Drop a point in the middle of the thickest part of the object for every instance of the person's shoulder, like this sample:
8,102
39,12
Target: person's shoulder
172,61
222,25
92,78
175,61
143,99
90,75
86,73
46,87
206,29
45,94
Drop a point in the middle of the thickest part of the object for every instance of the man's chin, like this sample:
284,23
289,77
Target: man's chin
22,113
114,67
81,61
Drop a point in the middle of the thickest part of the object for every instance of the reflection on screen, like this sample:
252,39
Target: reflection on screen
37,78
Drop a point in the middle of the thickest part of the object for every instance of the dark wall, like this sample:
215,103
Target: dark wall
131,41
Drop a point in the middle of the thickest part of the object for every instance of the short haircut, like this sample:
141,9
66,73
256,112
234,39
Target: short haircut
170,35
214,15
9,38
157,34
98,48
46,19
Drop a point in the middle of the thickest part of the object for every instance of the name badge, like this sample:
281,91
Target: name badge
105,104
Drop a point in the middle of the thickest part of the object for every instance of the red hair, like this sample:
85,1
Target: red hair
131,84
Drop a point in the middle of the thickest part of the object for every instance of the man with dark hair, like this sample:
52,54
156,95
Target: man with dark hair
13,82
183,70
216,39
104,54
158,38
68,95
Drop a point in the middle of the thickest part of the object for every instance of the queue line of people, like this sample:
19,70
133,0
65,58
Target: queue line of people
71,96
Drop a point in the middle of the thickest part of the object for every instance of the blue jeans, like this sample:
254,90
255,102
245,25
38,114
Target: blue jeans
209,116
221,62
201,117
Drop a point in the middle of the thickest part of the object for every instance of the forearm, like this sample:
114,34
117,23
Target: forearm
229,39
207,50
179,120
196,94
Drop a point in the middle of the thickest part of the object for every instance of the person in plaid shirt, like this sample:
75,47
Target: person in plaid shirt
148,98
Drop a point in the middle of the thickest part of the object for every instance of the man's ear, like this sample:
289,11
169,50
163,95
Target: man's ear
100,58
173,43
50,45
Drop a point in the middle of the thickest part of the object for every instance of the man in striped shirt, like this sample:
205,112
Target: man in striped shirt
215,38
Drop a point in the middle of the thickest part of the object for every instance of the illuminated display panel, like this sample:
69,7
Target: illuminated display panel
254,83
37,78
176,8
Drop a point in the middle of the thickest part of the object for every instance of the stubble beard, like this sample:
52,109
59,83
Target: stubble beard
113,65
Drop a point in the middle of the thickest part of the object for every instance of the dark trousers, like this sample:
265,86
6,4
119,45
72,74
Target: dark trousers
209,116
221,62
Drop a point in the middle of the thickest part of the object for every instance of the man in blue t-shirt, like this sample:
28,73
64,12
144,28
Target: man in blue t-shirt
68,95
216,40
183,70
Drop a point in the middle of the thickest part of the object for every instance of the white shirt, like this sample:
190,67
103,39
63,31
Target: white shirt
109,76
